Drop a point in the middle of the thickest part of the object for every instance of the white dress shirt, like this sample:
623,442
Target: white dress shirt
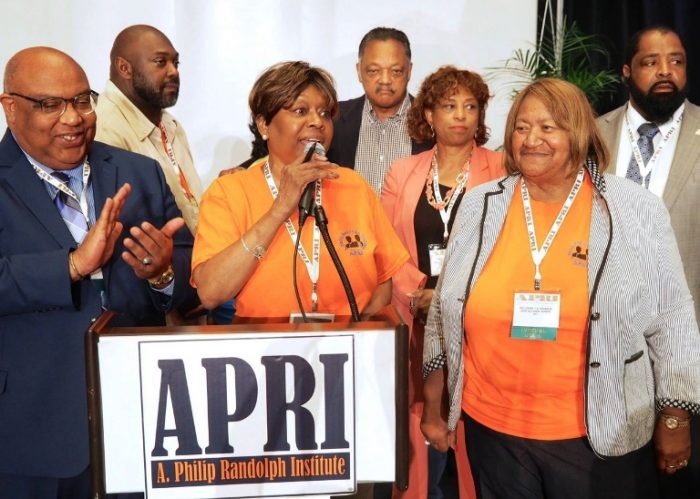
662,165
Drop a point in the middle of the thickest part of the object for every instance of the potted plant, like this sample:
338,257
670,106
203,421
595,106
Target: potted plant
562,51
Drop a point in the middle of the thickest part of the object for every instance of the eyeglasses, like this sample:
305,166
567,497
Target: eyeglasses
55,106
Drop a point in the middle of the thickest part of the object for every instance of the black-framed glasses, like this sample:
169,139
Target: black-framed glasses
55,106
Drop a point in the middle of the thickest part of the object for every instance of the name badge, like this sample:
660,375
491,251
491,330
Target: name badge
536,315
437,257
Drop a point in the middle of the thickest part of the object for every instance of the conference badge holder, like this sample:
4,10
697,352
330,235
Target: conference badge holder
536,315
437,258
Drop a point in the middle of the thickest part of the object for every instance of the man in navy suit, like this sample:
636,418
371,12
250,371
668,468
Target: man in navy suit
119,249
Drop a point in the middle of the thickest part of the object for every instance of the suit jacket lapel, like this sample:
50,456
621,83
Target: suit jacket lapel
611,125
104,177
353,124
498,201
412,191
479,167
104,185
30,190
686,156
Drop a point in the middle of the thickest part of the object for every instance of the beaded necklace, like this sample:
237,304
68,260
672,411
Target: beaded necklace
433,178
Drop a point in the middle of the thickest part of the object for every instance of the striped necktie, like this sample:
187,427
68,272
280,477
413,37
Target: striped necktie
70,211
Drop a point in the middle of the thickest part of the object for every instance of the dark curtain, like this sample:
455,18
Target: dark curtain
617,20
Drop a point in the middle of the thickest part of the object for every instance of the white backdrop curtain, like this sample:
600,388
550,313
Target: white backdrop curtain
225,44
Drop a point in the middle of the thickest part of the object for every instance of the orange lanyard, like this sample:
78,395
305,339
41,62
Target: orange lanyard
176,167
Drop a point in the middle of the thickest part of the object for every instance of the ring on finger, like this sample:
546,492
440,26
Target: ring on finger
147,260
682,464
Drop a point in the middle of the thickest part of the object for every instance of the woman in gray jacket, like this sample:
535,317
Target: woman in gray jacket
562,328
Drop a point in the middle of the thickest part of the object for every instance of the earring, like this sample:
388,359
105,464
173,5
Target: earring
432,132
264,137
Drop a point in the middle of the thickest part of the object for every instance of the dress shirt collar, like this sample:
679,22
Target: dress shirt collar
368,110
636,120
75,173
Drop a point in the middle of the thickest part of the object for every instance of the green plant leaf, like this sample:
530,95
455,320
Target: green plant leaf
575,65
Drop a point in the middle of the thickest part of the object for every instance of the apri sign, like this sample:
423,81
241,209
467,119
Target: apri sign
248,417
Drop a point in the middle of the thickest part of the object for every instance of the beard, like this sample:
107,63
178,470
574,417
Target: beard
656,107
154,96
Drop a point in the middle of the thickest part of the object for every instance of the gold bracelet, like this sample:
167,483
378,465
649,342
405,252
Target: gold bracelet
258,252
72,266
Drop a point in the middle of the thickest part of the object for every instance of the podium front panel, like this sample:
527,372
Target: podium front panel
121,372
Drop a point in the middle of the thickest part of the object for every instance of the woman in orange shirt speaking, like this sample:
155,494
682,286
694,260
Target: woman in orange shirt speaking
249,220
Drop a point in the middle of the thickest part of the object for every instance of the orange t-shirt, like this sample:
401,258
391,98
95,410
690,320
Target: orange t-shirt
366,243
530,388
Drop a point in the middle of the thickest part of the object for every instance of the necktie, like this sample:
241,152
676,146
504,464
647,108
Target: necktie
70,211
72,215
646,148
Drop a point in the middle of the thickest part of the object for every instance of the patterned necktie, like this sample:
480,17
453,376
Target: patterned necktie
646,148
70,211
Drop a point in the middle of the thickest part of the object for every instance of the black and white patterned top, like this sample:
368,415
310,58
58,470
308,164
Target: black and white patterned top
643,348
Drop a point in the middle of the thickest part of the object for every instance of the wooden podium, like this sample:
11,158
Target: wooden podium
248,410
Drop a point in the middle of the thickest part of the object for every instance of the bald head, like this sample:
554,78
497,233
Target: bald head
59,140
129,42
39,63
144,66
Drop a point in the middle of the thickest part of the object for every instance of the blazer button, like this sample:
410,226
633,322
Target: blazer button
595,364
595,316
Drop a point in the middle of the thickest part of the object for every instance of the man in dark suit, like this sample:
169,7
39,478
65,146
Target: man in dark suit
64,202
655,73
370,131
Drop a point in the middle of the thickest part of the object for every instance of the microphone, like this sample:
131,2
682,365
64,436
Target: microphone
322,223
306,201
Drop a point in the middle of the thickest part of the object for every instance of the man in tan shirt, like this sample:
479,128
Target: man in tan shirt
143,81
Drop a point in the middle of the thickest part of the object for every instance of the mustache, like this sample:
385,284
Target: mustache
664,82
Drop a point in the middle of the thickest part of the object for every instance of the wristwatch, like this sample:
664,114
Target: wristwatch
674,422
164,279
